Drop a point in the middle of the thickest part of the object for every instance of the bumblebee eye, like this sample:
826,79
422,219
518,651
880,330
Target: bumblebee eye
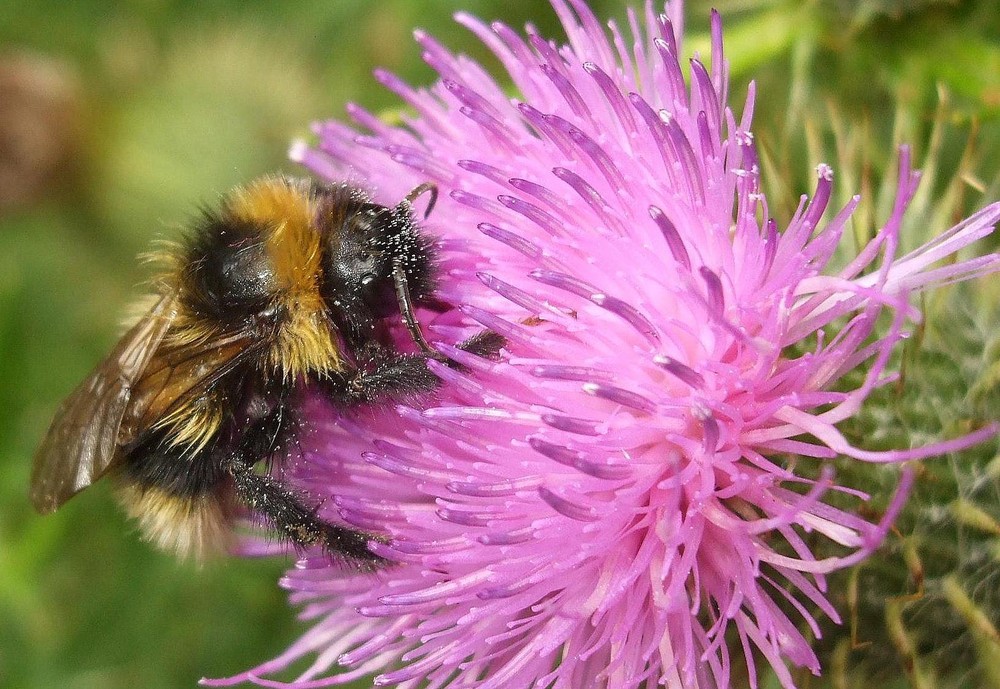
360,270
365,264
352,265
357,274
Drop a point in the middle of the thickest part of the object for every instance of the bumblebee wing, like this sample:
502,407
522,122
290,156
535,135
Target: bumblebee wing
176,382
83,438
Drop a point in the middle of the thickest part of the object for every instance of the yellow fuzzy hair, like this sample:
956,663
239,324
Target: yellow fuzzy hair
305,343
189,527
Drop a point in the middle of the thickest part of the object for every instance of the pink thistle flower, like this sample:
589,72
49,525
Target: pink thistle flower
614,501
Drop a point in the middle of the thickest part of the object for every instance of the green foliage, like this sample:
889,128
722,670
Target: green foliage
924,611
174,101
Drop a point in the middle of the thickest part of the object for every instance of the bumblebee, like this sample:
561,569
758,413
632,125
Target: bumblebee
284,291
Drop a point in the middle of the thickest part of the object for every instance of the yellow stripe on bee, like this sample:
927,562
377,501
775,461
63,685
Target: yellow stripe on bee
193,424
196,527
305,343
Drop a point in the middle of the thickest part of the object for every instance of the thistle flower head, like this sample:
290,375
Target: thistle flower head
616,502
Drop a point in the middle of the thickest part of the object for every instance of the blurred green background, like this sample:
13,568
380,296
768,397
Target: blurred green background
118,118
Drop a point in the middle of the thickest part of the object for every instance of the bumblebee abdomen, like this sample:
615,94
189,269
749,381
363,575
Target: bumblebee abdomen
181,499
195,526
160,463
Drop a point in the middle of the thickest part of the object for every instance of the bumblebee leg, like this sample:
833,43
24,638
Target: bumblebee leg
385,374
485,344
270,424
286,513
388,376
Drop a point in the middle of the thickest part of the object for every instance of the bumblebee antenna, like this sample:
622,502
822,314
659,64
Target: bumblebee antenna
420,190
399,273
406,310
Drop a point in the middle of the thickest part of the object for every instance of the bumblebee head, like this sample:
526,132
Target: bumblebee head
368,250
